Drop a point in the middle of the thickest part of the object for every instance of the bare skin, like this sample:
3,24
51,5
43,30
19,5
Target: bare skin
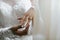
30,15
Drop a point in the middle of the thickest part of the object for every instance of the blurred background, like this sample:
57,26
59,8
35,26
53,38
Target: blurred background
50,23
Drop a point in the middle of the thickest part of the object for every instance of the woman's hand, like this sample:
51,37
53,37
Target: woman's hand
23,30
26,18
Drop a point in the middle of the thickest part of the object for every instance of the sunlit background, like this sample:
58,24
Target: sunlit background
50,13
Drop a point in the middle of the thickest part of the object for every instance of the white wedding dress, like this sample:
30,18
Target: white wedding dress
9,10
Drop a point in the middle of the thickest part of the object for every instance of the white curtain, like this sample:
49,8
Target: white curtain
44,6
37,17
55,20
50,13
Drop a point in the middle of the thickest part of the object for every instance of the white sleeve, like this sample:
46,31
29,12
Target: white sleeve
24,5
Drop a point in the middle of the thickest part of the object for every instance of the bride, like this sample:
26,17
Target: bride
16,19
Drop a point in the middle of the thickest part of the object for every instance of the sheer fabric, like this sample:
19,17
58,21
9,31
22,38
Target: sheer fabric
9,10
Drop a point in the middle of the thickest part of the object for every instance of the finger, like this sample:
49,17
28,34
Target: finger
27,26
19,18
